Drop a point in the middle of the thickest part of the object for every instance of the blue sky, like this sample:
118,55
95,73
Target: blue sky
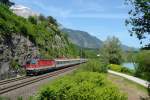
101,18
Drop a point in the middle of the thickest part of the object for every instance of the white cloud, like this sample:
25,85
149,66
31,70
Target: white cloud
19,7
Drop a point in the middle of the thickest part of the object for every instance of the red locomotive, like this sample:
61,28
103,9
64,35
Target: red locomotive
35,66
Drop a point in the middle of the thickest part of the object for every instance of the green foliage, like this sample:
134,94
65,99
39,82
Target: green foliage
4,98
129,56
93,66
6,2
73,50
91,53
51,20
143,64
111,51
139,18
81,86
14,64
121,69
20,98
32,19
42,18
43,32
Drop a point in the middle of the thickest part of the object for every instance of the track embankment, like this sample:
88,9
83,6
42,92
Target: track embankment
29,86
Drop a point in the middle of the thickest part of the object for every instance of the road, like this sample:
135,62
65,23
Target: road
132,78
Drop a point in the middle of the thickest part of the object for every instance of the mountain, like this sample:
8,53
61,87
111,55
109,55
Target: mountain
85,40
23,11
127,48
82,39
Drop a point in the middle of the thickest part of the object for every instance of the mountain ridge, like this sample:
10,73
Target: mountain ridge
92,42
82,39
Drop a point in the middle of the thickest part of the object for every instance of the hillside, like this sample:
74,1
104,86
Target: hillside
82,39
22,39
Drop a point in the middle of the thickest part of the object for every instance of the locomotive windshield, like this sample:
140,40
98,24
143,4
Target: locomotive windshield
33,61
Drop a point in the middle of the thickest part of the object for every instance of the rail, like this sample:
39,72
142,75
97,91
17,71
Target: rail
27,81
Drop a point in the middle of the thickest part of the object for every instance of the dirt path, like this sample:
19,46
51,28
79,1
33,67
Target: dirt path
133,90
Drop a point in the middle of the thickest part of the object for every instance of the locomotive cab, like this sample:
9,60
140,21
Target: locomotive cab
31,66
37,66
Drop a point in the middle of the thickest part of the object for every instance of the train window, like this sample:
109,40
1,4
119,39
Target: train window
33,61
58,62
63,62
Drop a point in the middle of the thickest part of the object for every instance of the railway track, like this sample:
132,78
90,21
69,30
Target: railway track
12,80
27,81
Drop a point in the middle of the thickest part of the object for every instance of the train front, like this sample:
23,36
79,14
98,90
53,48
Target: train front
31,67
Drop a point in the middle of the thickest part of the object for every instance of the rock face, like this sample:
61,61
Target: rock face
14,47
82,39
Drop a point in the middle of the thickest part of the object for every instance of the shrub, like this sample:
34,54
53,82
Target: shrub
120,68
14,64
115,67
143,65
81,86
94,66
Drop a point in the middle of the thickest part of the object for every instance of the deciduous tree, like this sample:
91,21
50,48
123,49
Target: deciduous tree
139,20
111,51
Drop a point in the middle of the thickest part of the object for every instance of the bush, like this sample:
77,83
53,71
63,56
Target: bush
115,67
94,66
120,68
81,86
14,64
143,65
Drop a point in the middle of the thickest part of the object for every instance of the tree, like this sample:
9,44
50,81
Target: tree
32,19
111,51
41,17
51,20
139,19
6,2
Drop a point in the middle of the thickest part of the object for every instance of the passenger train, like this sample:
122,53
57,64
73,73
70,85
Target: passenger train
36,66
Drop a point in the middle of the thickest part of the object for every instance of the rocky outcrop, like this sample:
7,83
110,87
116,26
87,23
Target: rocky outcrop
14,47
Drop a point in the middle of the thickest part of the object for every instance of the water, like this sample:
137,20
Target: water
128,65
